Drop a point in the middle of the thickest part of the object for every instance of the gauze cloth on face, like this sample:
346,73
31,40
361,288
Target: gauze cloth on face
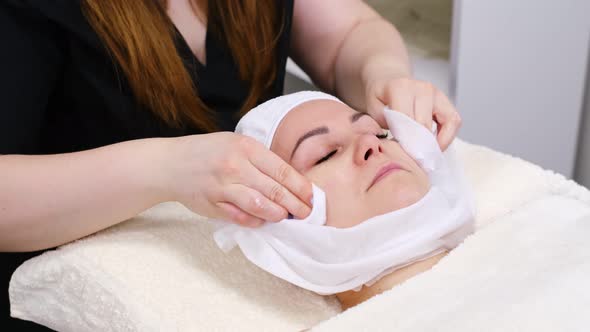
330,260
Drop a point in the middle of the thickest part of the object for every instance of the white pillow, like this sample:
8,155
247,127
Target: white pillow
162,271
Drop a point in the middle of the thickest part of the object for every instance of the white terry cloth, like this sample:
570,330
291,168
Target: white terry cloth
526,271
330,260
523,270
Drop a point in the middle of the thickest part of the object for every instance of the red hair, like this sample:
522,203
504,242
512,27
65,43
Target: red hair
140,36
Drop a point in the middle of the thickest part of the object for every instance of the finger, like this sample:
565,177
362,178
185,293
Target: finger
445,136
402,99
424,104
276,193
448,119
253,202
232,213
277,169
375,108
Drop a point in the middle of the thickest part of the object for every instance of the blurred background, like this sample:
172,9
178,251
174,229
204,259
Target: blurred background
518,72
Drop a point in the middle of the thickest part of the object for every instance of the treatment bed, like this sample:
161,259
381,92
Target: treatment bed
526,268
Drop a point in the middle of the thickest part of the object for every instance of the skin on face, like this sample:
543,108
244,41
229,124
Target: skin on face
342,152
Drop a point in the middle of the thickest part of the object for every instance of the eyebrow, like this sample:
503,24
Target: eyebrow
323,130
356,116
314,132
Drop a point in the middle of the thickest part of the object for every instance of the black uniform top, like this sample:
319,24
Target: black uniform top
60,91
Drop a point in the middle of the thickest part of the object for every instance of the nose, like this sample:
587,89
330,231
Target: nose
367,146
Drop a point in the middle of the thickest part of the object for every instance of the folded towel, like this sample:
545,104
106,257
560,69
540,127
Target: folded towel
162,270
528,271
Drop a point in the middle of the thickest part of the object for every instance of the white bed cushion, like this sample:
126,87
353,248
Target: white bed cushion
526,271
162,271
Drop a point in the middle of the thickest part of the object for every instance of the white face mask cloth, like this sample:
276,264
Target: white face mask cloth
330,260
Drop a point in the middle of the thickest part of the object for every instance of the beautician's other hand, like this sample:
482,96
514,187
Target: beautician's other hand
419,100
233,177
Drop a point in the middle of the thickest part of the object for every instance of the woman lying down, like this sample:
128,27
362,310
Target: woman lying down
385,207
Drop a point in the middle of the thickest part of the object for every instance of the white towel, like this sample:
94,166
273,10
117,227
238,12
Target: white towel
162,271
310,254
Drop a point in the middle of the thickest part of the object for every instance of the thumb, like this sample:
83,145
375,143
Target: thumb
375,109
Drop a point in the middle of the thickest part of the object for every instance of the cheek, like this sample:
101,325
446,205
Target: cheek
406,190
334,183
406,159
342,195
331,179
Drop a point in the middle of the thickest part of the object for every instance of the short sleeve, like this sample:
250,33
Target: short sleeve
31,61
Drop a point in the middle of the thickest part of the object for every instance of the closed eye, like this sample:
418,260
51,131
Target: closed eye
386,135
382,136
326,157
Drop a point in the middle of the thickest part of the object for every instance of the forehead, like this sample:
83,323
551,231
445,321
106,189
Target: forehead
308,116
313,112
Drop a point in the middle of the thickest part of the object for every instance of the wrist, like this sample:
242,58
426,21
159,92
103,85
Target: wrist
153,169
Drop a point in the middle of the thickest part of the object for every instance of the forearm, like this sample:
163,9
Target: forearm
50,200
373,48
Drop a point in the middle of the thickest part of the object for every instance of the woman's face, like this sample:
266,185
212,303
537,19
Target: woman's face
346,154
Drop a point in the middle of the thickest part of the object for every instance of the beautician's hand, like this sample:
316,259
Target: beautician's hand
233,177
419,100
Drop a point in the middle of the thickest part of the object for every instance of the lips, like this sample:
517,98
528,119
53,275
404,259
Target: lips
384,171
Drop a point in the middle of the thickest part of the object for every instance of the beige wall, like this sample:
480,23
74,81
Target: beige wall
424,24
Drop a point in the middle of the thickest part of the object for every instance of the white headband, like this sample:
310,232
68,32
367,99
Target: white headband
262,121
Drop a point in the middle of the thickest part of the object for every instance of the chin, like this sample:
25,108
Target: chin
398,192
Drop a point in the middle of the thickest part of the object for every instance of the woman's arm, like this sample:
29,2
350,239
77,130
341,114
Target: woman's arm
46,201
343,43
49,200
350,50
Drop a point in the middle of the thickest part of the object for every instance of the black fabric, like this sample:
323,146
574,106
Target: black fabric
61,92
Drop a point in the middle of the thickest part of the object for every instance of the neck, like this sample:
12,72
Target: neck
351,298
